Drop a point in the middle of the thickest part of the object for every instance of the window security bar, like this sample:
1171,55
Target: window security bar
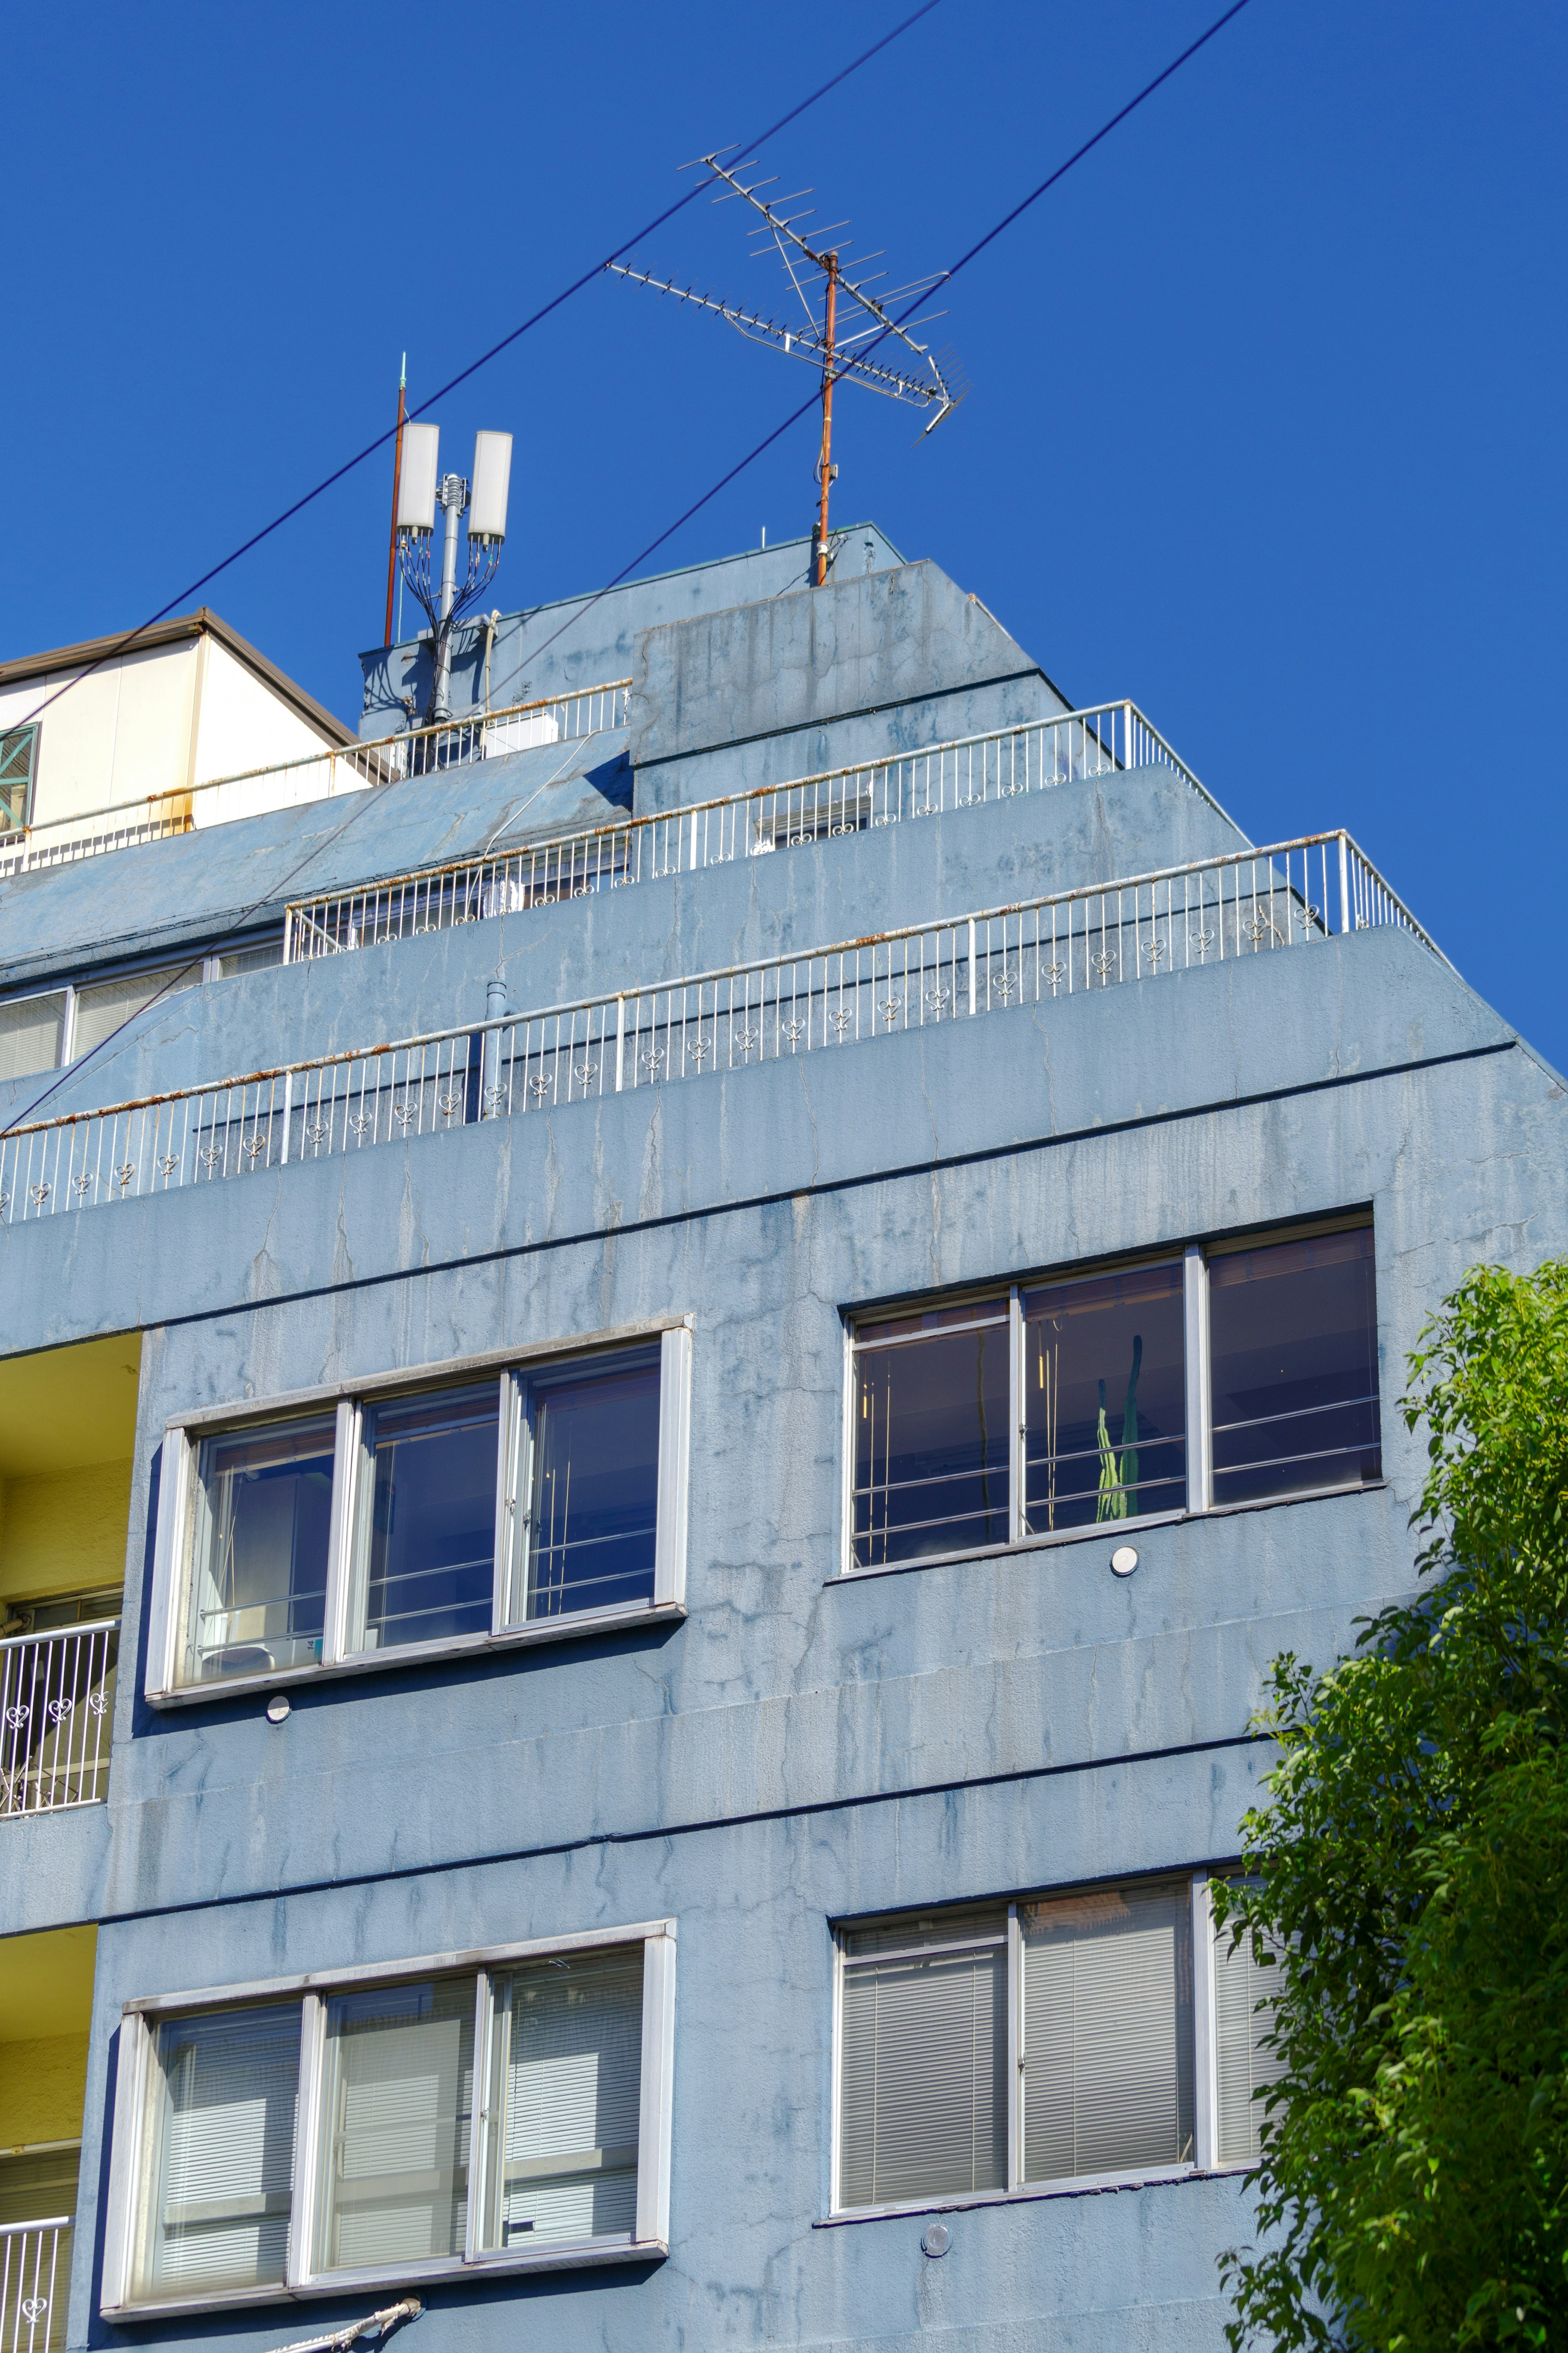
964,773
56,1691
35,2267
1213,911
319,776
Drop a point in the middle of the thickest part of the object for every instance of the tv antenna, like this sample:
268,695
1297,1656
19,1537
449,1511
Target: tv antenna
850,316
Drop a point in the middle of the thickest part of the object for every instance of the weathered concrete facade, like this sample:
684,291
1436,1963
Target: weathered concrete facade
803,1747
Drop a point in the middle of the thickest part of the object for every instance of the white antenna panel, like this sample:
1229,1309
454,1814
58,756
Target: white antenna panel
417,482
492,478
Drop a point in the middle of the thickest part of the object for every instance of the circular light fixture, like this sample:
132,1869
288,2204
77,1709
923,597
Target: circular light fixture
276,1707
1123,1561
933,2239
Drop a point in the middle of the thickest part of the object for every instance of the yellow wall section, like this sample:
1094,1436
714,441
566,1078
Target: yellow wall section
65,1530
45,2008
42,2087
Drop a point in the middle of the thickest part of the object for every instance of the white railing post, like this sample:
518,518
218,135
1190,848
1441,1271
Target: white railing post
971,964
1346,923
620,1038
1127,733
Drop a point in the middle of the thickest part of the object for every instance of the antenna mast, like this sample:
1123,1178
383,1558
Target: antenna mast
396,486
831,342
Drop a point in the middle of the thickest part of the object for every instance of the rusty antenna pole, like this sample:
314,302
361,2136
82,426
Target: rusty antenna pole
396,486
825,462
845,343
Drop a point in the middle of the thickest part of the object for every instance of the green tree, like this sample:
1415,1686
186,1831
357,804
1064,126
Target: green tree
1408,1869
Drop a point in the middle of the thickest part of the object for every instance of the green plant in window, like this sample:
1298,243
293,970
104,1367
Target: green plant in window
1119,1473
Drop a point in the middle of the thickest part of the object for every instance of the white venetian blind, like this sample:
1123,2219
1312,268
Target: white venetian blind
224,2150
1244,2016
569,2070
1107,2031
399,2090
923,2096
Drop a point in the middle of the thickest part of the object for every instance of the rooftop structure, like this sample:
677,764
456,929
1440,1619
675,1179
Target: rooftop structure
669,1360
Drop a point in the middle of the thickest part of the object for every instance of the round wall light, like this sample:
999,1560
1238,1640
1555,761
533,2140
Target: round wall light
276,1707
1123,1561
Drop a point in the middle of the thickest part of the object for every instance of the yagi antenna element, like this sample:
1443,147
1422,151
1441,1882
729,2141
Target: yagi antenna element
844,324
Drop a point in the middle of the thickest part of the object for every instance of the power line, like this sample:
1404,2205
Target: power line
123,644
962,262
741,464
329,480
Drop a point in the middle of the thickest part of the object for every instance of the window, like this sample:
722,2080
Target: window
1090,2002
1086,1403
18,774
1244,2062
416,1518
101,1009
32,1032
305,2141
41,1032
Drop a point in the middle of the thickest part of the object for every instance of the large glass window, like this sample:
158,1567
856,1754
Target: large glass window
930,1433
1293,1329
263,1529
31,1031
1108,2031
404,1522
1096,1401
1105,1399
593,1491
220,2165
428,1538
309,2137
923,2059
397,2116
1088,2000
565,2087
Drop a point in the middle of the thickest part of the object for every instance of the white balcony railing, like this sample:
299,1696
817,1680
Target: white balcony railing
319,776
963,773
1215,910
57,1693
35,2279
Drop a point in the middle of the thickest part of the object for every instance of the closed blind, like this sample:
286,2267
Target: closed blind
224,2149
923,2096
100,1011
398,2101
568,2074
1106,2033
30,1032
1244,2017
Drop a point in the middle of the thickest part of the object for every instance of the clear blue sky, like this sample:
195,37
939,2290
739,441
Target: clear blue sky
1266,428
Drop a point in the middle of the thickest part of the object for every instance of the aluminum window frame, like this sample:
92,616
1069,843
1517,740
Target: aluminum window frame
1205,2160
130,2169
1005,1298
209,959
177,1513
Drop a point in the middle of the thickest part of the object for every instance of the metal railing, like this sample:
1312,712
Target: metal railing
965,773
56,1691
1213,911
318,776
34,2280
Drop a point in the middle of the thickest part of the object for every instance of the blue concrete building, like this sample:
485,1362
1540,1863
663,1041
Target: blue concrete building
662,1392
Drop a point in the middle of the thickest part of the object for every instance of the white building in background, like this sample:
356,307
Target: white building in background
124,756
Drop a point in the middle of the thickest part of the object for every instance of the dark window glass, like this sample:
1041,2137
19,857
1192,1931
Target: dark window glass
430,1556
593,1509
1293,1338
259,1591
1105,1399
931,1442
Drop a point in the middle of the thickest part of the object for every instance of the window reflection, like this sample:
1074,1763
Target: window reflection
258,1595
930,1438
595,1492
430,1555
1293,1339
1105,1399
